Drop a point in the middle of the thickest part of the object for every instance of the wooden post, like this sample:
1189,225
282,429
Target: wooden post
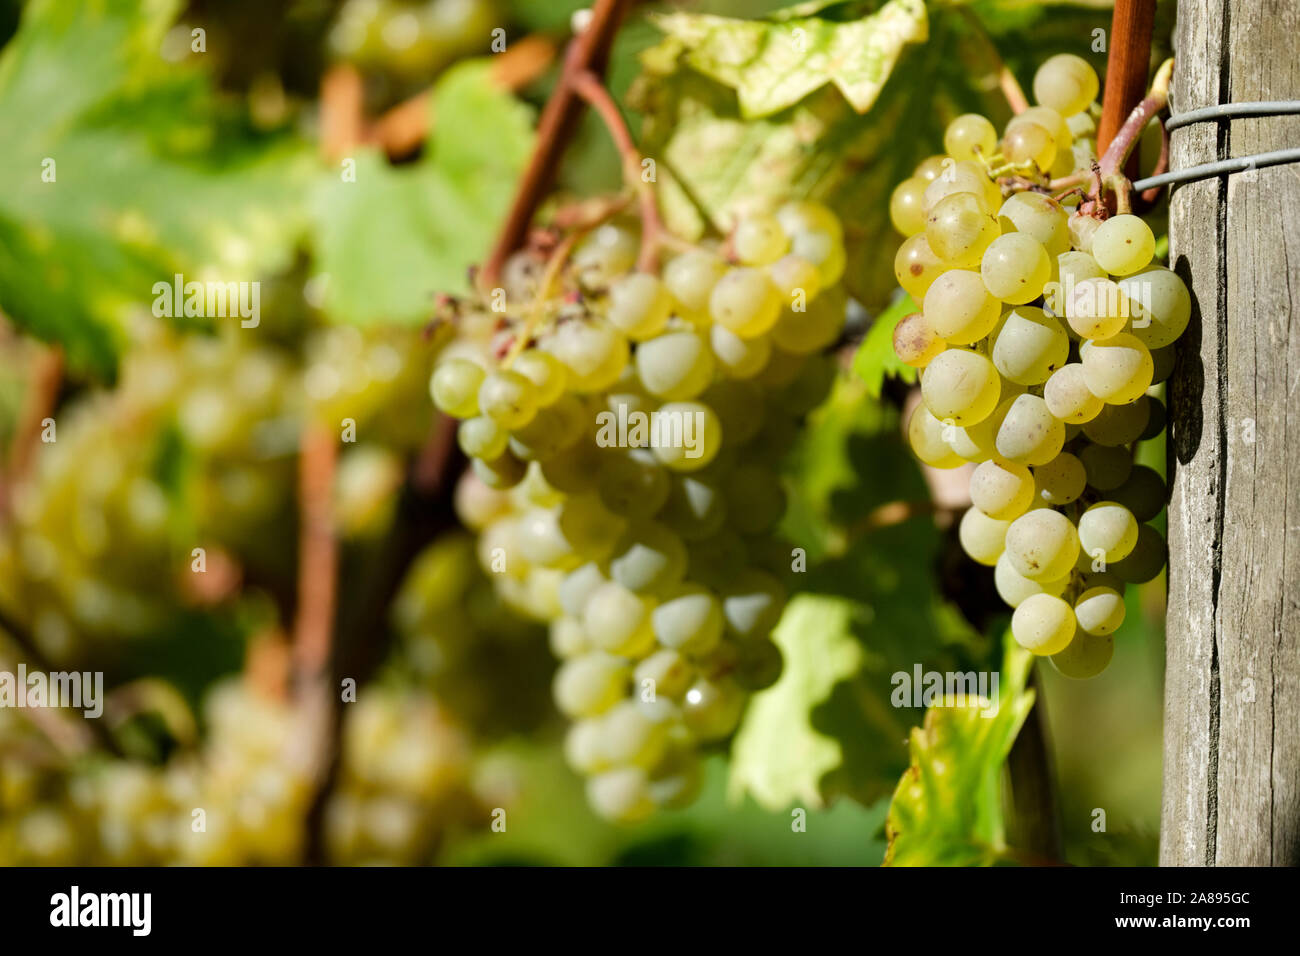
1232,682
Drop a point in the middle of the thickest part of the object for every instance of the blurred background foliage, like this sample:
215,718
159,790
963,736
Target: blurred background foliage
225,163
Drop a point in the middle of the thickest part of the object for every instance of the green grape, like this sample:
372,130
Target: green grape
751,604
594,353
454,387
915,341
1067,396
548,376
1107,466
745,301
648,559
961,386
1159,305
813,329
590,528
1029,345
1146,560
1118,370
824,250
925,434
737,357
639,305
1142,493
584,749
1086,656
916,266
1061,480
504,471
1066,83
550,431
1001,489
1163,361
1043,624
1042,545
1123,245
1157,417
1027,142
1015,268
1099,610
690,437
688,619
759,240
982,538
962,176
1119,424
574,472
675,366
1095,308
959,229
633,483
578,586
906,206
482,437
604,254
664,673
541,540
1030,434
567,638
617,620
712,708
1072,268
631,735
795,276
930,168
1039,217
1013,587
621,795
739,407
970,136
691,277
589,685
1055,124
1110,528
959,309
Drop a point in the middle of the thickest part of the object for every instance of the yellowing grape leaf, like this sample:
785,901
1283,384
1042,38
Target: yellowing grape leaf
773,64
947,810
120,171
389,238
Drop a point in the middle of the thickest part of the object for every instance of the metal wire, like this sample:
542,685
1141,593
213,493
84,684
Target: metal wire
1233,110
1208,170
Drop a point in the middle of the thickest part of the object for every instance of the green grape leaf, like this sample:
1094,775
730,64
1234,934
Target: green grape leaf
389,238
774,64
125,173
947,810
875,358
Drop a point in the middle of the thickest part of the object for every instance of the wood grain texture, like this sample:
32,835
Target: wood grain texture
1232,683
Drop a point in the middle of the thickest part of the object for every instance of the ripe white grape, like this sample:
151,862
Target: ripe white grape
824,250
812,329
621,795
696,507
691,276
1066,83
759,240
1028,142
1039,217
745,301
916,266
1043,624
1123,245
1071,268
959,309
1013,587
970,136
1001,489
925,434
1029,345
962,176
589,685
982,538
1118,370
1159,306
668,672
1030,434
737,357
1061,480
1042,545
1055,124
1095,308
633,483
618,620
567,638
1068,398
961,386
751,604
794,275
1015,267
803,216
675,366
906,206
688,619
544,370
959,229
584,750
577,586
482,437
631,735
508,397
915,341
712,708
648,559
1099,610
454,386
1087,655
594,353
639,305
689,436
1108,527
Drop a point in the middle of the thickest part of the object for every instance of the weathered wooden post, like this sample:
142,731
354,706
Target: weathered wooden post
1232,683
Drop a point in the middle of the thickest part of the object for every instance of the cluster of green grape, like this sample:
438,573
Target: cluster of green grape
412,39
624,429
1040,334
243,797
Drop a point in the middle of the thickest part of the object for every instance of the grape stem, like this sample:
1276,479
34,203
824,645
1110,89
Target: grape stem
589,87
1111,166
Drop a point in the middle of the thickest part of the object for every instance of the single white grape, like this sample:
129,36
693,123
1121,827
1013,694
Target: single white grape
925,434
812,329
666,673
1015,267
1118,370
1043,624
962,176
577,586
1119,424
796,279
482,437
1001,489
1123,245
1029,346
691,276
1159,306
688,619
618,620
1038,216
1030,434
675,366
1094,308
1071,268
1027,142
916,266
1086,656
648,559
752,603
1107,466
982,538
759,240
1042,545
1146,560
737,357
1099,610
454,386
1068,398
712,708
632,735
594,353
621,795
590,684
970,136
745,301
960,386
549,377
1142,493
906,206
1013,587
959,229
1066,83
639,305
915,342
1108,527
1060,481
959,309
508,397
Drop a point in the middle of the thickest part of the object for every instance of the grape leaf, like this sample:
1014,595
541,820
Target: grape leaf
773,64
392,238
124,173
875,358
947,810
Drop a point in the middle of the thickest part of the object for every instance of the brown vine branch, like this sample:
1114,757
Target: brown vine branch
44,380
1127,67
1111,167
317,554
587,53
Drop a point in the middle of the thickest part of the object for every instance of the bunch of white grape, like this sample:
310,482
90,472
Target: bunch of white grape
1040,335
624,429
